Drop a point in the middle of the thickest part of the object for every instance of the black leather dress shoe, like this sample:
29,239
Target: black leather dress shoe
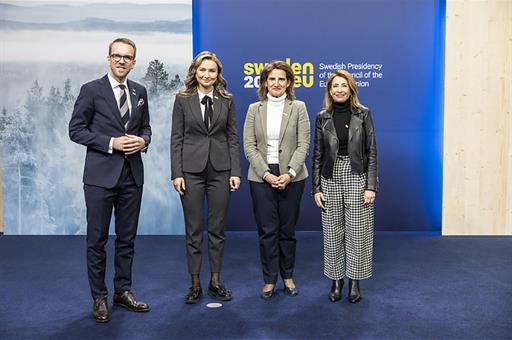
335,294
291,291
128,301
354,292
219,292
100,310
194,295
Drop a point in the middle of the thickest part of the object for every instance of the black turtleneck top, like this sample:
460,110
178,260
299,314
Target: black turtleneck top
341,116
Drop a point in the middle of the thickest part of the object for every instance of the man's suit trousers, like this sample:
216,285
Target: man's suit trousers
125,198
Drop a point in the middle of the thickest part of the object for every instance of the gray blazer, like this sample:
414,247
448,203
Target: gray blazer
294,138
192,145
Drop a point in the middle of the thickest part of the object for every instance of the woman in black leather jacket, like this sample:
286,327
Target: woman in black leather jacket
344,184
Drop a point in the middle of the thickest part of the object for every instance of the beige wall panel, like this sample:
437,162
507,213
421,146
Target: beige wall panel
477,176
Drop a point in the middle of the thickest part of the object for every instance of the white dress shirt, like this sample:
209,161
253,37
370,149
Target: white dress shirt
201,96
117,94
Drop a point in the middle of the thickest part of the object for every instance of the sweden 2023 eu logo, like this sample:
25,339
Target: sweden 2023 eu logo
304,74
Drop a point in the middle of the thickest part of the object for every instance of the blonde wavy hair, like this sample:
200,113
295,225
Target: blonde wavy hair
191,84
351,84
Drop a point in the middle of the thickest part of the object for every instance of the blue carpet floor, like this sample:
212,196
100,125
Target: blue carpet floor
423,287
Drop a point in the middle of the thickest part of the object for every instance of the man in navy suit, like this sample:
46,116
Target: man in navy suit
111,119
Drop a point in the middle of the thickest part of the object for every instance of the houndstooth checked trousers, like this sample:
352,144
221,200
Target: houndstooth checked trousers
347,224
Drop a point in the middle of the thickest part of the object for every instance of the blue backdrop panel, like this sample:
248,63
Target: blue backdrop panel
395,49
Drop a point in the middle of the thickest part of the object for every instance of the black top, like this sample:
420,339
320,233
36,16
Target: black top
341,117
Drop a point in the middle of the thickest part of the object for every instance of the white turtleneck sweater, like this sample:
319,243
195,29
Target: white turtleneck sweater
275,108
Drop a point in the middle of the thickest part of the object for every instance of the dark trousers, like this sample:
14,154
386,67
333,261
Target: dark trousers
214,185
276,212
125,198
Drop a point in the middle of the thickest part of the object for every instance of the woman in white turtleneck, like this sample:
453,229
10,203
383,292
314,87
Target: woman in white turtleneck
276,143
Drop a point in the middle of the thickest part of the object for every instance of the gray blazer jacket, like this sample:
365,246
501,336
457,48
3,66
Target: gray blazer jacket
192,145
294,138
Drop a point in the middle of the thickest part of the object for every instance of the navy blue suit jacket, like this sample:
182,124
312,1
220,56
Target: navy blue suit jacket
96,119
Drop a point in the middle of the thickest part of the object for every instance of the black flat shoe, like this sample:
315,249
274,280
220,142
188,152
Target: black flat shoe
268,294
194,295
335,294
354,292
219,292
127,300
100,311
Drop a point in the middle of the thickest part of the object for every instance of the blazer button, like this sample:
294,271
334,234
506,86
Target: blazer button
280,151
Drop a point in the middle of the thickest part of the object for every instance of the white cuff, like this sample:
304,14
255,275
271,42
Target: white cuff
292,173
111,145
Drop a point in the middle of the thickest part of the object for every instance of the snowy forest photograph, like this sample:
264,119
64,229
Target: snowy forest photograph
48,50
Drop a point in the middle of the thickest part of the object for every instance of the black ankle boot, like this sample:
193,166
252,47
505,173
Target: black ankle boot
335,294
354,292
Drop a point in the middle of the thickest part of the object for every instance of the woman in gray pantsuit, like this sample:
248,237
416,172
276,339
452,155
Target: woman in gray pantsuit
205,164
344,184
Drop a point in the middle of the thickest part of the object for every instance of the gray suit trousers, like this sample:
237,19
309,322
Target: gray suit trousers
214,186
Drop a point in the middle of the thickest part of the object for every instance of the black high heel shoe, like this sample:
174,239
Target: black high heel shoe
335,294
354,292
267,295
290,291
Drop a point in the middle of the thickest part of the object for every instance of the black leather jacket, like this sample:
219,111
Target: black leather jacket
362,147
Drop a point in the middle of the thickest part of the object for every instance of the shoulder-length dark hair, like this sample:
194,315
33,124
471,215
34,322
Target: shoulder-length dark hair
221,85
351,84
279,65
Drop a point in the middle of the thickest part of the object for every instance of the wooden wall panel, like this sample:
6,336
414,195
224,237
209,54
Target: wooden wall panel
477,170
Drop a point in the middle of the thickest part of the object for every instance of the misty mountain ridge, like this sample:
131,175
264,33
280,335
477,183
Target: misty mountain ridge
106,25
53,13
